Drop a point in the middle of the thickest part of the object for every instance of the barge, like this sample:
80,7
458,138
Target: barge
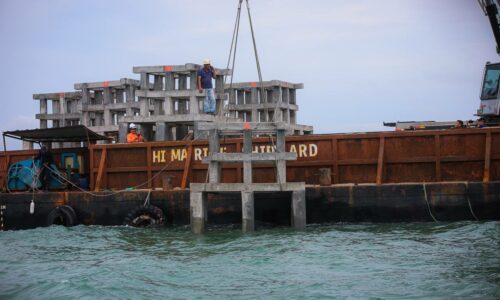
441,175
435,175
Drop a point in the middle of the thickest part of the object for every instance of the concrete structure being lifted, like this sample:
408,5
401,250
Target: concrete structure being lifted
166,104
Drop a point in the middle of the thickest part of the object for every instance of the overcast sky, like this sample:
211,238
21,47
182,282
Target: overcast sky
362,62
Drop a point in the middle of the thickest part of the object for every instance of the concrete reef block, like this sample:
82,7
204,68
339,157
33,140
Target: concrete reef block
299,209
198,211
247,211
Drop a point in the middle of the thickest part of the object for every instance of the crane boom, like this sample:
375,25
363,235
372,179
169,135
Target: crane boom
490,9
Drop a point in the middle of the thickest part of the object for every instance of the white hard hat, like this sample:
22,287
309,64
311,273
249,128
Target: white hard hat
206,61
132,126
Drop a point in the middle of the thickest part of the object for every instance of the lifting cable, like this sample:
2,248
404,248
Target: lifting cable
234,42
231,61
234,45
256,54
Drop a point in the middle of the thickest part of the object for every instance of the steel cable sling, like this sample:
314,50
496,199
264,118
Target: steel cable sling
232,53
231,60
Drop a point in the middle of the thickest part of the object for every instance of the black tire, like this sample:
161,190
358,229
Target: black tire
71,211
62,215
145,216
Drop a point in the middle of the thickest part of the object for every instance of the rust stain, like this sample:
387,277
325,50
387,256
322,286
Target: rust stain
458,155
219,210
90,220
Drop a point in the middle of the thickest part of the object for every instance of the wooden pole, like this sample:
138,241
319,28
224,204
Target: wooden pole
335,161
187,166
437,153
100,172
380,161
150,165
91,166
487,158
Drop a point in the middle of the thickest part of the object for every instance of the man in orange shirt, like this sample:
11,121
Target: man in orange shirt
133,136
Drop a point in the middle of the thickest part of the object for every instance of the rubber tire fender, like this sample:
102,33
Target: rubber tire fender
145,216
64,212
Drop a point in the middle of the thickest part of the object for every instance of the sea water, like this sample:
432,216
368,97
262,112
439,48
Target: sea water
398,261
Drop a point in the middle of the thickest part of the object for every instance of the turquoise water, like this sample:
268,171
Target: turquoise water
413,260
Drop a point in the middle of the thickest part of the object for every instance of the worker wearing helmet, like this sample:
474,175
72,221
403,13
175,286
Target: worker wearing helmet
205,76
134,136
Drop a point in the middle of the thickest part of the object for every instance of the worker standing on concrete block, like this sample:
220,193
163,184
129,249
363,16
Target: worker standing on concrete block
134,136
205,76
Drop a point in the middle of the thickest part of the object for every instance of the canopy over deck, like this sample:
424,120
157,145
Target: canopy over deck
78,133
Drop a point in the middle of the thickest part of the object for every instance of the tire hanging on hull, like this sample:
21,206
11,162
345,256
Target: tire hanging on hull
145,216
62,215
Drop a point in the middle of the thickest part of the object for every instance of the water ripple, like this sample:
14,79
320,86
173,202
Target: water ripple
403,261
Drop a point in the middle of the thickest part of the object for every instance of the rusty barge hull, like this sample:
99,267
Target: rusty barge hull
338,203
375,177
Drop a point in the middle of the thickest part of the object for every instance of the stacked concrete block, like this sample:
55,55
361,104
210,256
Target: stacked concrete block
277,103
170,104
61,109
104,104
167,105
58,110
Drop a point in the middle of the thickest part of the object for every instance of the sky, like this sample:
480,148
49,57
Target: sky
362,62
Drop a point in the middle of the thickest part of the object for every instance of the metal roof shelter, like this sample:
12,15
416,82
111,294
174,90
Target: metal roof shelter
78,133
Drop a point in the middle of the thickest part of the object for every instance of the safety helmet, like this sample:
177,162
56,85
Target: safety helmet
206,61
132,126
